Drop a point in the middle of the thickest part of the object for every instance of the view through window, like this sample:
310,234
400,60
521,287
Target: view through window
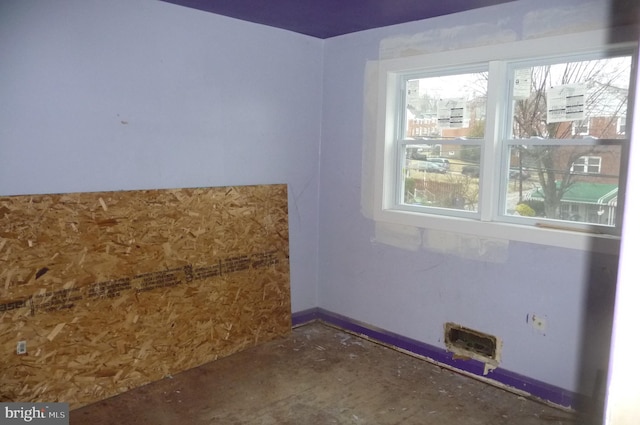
447,113
560,143
565,140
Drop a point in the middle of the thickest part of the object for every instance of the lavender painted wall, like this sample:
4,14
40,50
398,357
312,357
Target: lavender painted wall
131,95
413,293
113,95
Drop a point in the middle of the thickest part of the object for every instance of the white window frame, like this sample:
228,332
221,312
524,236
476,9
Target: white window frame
576,124
489,223
621,125
584,167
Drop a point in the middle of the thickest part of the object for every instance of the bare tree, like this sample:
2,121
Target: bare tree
553,162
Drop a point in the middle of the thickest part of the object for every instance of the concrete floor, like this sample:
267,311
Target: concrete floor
319,375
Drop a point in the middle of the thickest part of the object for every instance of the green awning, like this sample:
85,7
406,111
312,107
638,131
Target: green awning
584,193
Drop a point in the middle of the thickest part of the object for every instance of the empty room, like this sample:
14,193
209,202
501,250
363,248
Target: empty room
297,212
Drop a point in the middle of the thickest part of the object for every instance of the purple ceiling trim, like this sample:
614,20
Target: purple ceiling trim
330,18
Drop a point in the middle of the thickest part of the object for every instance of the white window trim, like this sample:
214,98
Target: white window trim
585,167
580,133
389,72
619,125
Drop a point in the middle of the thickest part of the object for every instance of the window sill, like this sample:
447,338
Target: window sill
579,240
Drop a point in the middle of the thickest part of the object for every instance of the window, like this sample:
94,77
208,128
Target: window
587,165
622,125
455,106
580,128
533,132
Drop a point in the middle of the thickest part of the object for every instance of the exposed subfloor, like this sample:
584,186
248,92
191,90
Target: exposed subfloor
319,375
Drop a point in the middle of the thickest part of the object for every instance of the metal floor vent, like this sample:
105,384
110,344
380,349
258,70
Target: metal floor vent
463,341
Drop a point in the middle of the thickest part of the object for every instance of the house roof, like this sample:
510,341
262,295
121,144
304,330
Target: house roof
585,193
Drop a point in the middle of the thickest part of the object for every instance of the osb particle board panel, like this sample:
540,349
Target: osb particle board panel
113,290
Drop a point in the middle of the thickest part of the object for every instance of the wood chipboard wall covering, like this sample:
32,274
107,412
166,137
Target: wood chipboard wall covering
113,290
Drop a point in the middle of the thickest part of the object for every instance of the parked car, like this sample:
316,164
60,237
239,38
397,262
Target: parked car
471,170
442,161
431,167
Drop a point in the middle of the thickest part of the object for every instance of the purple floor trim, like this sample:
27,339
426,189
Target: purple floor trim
534,387
305,316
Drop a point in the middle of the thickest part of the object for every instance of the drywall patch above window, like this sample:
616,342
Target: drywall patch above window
536,23
561,20
439,40
470,344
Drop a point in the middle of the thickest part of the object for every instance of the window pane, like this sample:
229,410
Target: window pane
574,183
431,180
446,107
572,99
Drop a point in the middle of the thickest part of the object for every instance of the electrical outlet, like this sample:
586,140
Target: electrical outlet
21,348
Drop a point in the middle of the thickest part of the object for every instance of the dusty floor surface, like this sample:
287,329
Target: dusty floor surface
319,375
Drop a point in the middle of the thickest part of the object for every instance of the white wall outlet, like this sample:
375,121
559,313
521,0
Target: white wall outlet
21,348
